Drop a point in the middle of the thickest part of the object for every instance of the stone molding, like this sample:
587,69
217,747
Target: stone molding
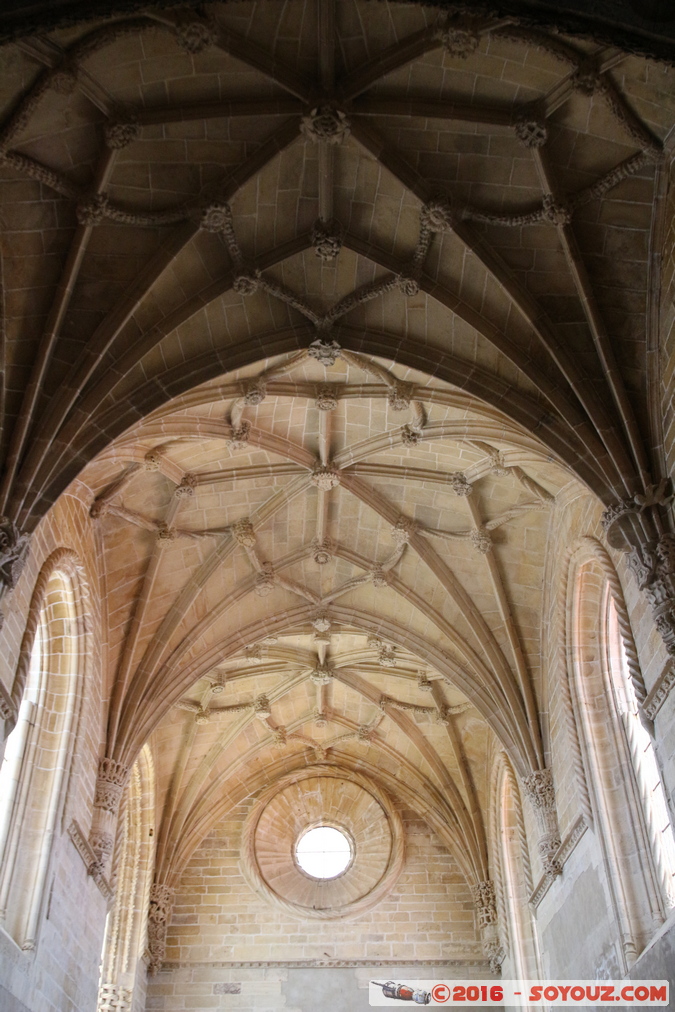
293,964
90,859
159,918
14,548
561,856
659,692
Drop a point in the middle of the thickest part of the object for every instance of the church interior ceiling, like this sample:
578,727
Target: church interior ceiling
321,308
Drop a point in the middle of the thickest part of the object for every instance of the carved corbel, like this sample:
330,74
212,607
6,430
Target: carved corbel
540,791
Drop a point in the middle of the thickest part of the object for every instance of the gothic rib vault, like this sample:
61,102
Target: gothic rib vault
319,322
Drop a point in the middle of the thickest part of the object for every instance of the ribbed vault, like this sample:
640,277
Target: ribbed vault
320,306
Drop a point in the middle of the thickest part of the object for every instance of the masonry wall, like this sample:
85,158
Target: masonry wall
228,947
61,973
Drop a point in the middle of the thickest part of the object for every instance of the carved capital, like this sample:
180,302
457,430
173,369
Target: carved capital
540,790
110,783
486,906
13,553
321,675
159,916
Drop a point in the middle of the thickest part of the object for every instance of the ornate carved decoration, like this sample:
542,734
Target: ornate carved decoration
243,533
159,917
459,37
255,392
247,283
321,622
94,211
554,211
653,566
531,130
120,133
325,352
113,998
265,582
240,436
321,675
410,436
587,80
486,905
326,239
437,214
379,577
541,793
279,737
186,488
496,954
325,477
195,36
423,683
261,707
460,483
400,395
110,783
325,123
407,283
481,541
216,217
322,551
659,692
152,461
326,398
403,530
165,533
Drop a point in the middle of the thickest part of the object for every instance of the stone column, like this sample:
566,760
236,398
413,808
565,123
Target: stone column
540,791
159,917
110,783
486,907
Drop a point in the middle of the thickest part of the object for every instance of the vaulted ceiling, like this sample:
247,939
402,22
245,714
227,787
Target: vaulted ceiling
325,304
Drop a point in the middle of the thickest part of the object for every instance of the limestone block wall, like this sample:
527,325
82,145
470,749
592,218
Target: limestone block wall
228,947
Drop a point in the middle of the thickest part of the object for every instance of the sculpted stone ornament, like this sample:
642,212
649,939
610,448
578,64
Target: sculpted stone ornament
496,955
323,550
460,39
326,239
216,217
13,553
240,436
423,683
326,398
152,461
120,133
379,577
159,916
243,533
587,80
400,396
92,212
279,737
460,483
653,566
364,732
99,509
165,533
555,211
410,436
113,998
110,783
437,214
497,465
403,530
407,283
261,707
541,793
63,79
321,622
325,123
247,282
321,675
195,36
325,478
186,488
264,582
531,130
325,352
255,392
486,904
481,541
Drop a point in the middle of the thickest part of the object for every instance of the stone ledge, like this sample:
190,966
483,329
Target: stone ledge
561,855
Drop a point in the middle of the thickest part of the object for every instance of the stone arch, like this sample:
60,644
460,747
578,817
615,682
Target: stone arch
47,696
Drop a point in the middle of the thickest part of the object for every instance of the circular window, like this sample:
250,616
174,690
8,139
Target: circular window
323,852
